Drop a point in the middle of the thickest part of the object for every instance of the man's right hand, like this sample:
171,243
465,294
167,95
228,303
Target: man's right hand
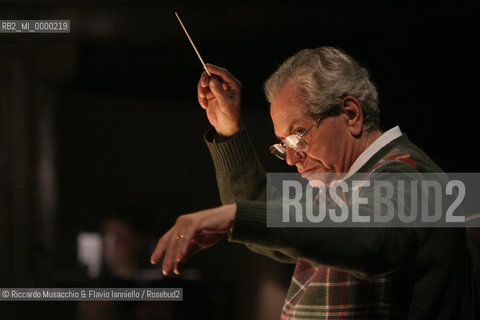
220,96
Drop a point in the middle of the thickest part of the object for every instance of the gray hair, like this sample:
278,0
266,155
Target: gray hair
324,76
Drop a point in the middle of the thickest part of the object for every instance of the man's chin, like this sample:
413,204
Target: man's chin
320,179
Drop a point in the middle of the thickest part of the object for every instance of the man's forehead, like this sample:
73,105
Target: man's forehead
287,111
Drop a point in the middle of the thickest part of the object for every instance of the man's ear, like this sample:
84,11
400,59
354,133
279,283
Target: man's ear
353,114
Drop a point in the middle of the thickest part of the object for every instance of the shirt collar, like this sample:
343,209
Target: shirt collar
382,141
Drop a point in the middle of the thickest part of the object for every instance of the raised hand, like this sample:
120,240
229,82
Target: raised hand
220,96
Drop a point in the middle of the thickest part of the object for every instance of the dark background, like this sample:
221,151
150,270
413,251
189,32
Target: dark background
106,117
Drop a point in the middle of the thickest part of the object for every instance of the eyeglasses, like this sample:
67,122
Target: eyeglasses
294,142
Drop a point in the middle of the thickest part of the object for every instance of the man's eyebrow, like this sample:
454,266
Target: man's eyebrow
290,130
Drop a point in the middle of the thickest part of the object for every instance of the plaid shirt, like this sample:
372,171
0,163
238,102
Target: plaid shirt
320,292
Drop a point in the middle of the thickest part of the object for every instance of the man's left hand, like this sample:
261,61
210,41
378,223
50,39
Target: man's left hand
190,234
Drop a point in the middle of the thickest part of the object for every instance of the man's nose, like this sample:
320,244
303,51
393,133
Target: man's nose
293,156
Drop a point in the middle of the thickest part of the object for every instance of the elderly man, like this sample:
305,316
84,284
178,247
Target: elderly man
325,114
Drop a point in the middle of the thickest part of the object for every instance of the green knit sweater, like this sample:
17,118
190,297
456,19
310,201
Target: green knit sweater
423,266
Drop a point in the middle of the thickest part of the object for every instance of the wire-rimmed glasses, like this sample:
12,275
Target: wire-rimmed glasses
294,142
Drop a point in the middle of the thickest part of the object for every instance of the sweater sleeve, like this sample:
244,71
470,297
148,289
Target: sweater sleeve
239,173
240,176
364,252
